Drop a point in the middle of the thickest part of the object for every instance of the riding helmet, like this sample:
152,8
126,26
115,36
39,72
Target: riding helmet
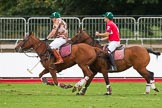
108,15
55,15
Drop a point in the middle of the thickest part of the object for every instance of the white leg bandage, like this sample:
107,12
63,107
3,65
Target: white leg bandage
82,81
58,84
152,84
107,86
109,90
148,86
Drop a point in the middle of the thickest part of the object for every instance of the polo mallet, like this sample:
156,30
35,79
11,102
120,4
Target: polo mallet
30,70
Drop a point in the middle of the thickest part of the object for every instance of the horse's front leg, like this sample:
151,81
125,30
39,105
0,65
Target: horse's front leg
43,79
55,81
45,71
84,89
87,74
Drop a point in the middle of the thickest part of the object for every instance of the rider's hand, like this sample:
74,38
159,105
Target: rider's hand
98,39
97,33
45,39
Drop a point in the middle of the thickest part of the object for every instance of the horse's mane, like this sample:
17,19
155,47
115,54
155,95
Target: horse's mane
95,42
91,36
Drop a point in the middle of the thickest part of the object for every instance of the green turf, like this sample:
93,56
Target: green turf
125,95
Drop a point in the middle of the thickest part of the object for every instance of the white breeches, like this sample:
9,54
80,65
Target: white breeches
57,42
113,45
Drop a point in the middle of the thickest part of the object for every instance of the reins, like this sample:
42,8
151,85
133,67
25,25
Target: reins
29,55
36,47
39,46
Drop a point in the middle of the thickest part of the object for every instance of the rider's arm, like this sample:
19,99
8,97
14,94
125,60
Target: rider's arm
106,34
105,38
51,34
53,31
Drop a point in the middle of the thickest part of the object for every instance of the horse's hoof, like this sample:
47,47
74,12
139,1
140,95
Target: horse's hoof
78,94
107,93
62,85
156,89
74,89
44,80
68,86
147,93
50,83
79,88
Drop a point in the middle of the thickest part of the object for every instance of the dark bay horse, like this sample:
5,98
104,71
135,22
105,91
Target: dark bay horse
82,54
135,56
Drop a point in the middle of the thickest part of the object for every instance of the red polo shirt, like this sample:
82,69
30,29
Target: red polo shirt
112,28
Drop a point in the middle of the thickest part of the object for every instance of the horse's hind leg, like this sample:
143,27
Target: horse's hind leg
150,83
153,81
108,87
149,77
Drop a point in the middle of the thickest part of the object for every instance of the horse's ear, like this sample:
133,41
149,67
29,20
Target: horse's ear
80,30
27,34
31,33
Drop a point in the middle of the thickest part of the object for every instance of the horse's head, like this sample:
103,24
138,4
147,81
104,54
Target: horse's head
26,43
81,37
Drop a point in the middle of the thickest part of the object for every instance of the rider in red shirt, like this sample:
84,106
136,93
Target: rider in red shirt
113,30
112,35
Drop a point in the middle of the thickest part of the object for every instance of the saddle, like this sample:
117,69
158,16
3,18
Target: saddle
118,53
65,49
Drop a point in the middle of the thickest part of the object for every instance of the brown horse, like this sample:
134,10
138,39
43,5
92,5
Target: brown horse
82,54
135,56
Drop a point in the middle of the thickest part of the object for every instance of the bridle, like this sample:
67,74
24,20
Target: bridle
35,47
23,43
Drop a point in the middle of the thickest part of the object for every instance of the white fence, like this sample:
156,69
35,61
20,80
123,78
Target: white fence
42,26
16,65
149,28
127,26
14,28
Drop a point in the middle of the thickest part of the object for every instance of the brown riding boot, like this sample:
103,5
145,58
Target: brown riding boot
58,57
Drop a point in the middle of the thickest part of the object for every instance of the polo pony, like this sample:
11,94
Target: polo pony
135,56
82,54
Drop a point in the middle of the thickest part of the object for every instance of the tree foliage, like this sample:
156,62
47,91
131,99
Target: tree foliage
79,7
26,7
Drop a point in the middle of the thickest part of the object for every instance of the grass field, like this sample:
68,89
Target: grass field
38,95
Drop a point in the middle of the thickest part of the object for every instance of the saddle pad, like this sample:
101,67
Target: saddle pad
65,50
119,54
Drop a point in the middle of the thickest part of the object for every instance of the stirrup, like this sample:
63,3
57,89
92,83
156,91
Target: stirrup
113,68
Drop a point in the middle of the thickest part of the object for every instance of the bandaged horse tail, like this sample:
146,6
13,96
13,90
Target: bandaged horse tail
149,50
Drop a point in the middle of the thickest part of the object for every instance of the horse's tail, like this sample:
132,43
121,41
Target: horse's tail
101,53
98,50
153,52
